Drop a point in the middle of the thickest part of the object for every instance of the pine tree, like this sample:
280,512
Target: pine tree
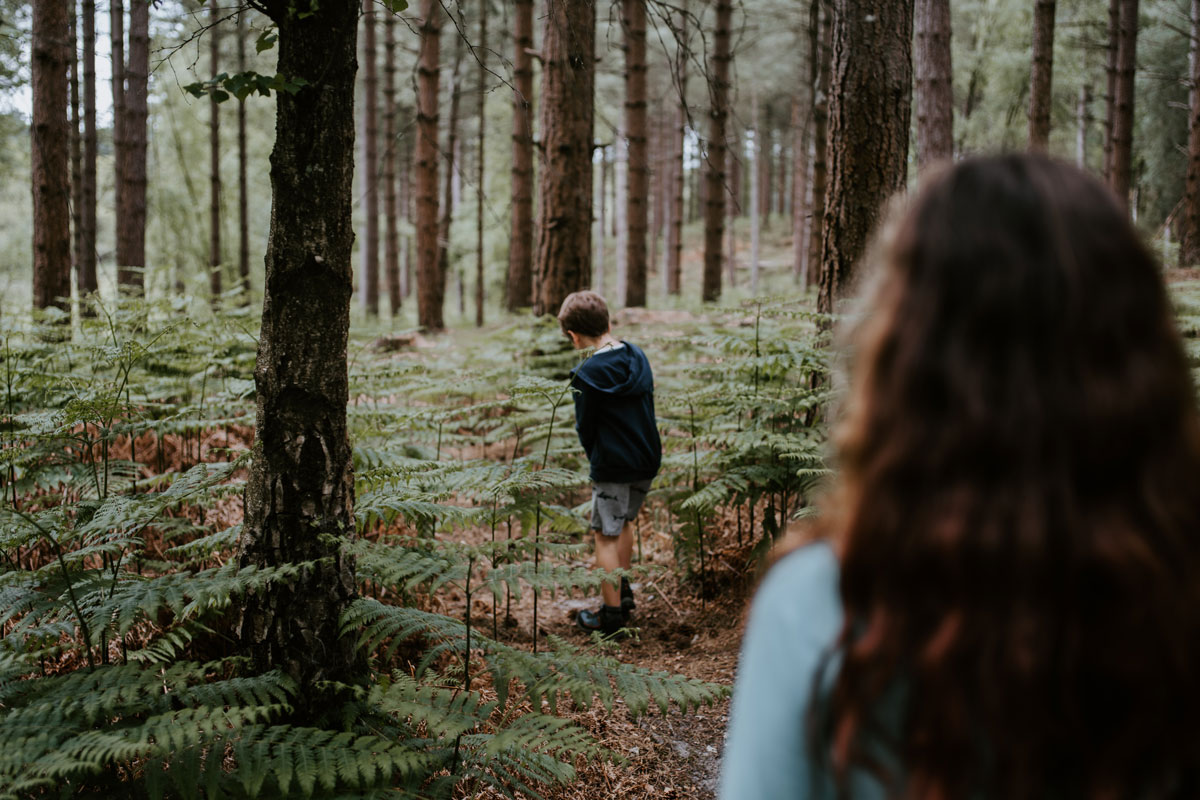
821,67
935,97
49,160
391,248
633,24
87,265
1041,76
370,172
714,159
1120,177
1189,240
214,164
431,287
520,247
131,212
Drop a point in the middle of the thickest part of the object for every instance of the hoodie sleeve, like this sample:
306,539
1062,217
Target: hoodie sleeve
585,415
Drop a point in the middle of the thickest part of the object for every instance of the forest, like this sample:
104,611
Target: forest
292,502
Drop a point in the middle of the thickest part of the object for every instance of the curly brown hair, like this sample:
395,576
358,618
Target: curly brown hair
1018,510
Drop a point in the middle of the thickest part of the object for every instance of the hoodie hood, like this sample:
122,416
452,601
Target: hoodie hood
621,372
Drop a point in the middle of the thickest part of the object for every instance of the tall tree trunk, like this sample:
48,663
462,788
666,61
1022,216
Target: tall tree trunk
300,490
480,174
1041,75
870,109
1121,175
755,168
781,179
369,286
822,68
243,190
1110,83
391,249
765,157
431,286
675,231
76,143
449,196
935,96
1189,240
406,211
520,246
656,193
732,204
799,192
131,214
565,179
49,157
633,23
621,215
1083,119
214,165
87,265
714,160
126,278
602,221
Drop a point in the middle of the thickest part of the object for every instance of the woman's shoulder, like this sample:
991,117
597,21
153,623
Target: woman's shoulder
800,594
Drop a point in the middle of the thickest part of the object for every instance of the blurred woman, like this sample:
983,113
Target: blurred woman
1006,599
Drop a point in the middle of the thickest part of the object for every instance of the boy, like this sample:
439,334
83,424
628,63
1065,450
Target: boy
614,415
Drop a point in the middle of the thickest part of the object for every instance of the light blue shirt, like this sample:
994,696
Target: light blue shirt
795,620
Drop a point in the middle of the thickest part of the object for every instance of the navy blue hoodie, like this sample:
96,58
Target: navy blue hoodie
614,415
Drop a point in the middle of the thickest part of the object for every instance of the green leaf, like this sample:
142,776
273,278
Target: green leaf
266,40
396,6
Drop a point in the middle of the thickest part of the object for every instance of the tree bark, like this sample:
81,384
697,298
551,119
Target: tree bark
1110,85
300,490
602,221
76,143
431,286
126,278
675,229
520,247
935,96
87,266
391,249
765,157
565,179
1189,240
243,190
621,215
480,174
799,192
370,178
755,163
1121,175
214,165
870,109
449,196
714,161
732,204
633,23
822,68
49,157
131,214
1041,76
406,210
657,192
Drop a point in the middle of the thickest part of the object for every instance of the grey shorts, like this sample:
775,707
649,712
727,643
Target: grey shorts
614,504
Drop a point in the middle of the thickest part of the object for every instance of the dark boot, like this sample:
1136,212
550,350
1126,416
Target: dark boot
627,604
608,620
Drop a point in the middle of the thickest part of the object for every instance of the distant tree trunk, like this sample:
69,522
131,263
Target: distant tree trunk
565,180
755,171
765,156
391,249
300,491
49,154
449,195
406,211
1083,118
602,221
781,179
431,287
657,194
481,108
799,192
87,265
675,231
732,168
1121,176
633,24
214,164
76,145
243,191
370,182
1110,86
131,214
822,67
870,108
520,247
126,278
714,160
935,97
621,215
1041,75
1189,240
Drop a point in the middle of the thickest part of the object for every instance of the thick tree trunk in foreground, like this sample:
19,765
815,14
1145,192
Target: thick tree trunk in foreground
633,23
1189,240
1120,177
822,67
300,490
935,97
87,266
520,246
714,160
131,215
214,166
1041,76
564,248
391,236
431,284
49,167
369,285
870,109
243,190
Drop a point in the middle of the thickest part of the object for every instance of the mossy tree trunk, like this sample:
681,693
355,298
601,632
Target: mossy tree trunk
300,491
869,112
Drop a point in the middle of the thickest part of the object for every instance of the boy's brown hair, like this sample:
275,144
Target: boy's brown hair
585,312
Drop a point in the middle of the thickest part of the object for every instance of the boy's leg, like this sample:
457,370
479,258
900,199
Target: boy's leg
625,546
608,557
